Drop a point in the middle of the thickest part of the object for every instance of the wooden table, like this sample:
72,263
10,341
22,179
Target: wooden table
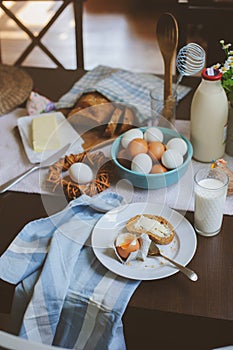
169,313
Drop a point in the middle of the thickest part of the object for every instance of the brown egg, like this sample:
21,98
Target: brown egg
137,146
124,158
125,249
156,150
158,169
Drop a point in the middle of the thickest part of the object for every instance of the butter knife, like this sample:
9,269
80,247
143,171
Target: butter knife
44,164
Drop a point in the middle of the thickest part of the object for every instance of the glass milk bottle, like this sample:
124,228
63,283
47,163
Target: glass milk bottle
209,113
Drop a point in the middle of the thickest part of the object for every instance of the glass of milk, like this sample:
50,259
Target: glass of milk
210,189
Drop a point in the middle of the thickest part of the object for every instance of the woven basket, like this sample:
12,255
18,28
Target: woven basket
15,87
100,165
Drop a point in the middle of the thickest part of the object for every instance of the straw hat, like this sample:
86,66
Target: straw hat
15,87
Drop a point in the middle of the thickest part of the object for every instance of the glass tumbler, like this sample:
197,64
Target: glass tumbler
162,112
210,189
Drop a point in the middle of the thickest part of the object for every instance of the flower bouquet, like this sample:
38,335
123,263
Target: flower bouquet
226,69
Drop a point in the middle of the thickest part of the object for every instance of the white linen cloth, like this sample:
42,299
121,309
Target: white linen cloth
116,84
13,161
64,294
13,158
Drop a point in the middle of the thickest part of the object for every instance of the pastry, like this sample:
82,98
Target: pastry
128,120
94,110
113,122
90,99
93,116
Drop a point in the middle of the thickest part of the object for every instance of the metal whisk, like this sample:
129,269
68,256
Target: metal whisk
190,60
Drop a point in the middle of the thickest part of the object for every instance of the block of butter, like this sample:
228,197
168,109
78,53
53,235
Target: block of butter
45,135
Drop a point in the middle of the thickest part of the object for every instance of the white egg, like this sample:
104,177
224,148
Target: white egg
141,163
153,134
80,173
171,159
130,135
177,144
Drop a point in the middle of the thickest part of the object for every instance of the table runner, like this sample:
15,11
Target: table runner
119,85
14,161
65,295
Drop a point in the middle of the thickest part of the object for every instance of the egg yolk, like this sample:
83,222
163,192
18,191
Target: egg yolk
127,247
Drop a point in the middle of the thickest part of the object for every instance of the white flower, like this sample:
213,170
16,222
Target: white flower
226,47
223,69
216,66
226,68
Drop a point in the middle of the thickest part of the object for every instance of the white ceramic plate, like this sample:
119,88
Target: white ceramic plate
66,132
181,249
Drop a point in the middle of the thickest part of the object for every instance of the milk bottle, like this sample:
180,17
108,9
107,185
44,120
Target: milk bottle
209,113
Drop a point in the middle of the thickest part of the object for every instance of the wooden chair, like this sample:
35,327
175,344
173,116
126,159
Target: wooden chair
36,40
59,79
214,17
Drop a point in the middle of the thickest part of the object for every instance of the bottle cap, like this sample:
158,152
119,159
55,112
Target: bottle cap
211,74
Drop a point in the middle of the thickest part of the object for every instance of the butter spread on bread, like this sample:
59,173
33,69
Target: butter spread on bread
157,227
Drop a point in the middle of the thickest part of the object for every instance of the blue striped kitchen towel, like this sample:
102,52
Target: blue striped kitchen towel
64,295
121,86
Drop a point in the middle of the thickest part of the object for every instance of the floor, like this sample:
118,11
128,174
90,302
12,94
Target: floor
118,33
128,36
115,33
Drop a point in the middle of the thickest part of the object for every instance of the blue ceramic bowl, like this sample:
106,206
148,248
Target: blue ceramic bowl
153,181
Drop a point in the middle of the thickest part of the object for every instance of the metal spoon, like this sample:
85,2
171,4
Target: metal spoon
167,36
154,251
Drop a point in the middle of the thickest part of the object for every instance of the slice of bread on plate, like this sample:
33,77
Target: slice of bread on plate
158,228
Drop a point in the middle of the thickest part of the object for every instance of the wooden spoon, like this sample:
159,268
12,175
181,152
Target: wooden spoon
167,36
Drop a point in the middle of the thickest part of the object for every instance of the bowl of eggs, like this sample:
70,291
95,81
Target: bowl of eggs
152,157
